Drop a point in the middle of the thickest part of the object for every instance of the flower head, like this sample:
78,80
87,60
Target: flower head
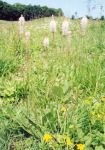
46,42
65,27
47,137
68,141
22,20
27,35
53,25
21,23
80,146
84,22
63,109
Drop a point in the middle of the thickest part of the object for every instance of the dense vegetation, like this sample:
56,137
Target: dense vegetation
13,12
56,100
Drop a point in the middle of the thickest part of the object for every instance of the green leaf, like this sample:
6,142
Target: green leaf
99,148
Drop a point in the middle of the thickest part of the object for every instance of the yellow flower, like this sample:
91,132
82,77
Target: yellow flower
68,141
47,137
80,146
63,109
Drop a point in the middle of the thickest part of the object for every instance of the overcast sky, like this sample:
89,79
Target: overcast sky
68,6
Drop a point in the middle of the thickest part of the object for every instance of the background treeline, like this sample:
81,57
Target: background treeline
13,12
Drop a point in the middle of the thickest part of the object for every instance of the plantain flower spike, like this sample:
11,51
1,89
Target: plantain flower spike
65,27
84,23
21,24
27,36
46,42
53,25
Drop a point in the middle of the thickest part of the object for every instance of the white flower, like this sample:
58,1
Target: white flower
22,20
65,27
84,22
27,35
21,23
46,42
53,25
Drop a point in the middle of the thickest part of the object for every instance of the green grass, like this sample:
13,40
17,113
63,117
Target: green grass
60,94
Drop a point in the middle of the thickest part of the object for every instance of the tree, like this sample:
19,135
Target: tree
102,18
13,12
73,17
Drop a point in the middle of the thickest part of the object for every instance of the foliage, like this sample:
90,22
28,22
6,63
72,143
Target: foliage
13,12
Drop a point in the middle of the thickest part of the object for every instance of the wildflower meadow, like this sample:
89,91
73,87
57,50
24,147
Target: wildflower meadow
52,84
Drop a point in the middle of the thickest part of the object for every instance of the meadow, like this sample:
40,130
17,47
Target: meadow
54,98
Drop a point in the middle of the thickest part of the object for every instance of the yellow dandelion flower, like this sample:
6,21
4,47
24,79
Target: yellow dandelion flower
63,109
68,141
80,146
47,137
